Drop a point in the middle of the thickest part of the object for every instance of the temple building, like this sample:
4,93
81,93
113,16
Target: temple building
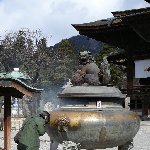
128,30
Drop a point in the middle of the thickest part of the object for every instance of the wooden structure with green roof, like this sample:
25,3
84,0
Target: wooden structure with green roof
129,30
13,85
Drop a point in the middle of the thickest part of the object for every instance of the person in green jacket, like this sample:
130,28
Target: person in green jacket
32,128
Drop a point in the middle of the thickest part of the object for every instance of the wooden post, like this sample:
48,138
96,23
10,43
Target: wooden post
130,74
148,108
7,122
144,114
145,109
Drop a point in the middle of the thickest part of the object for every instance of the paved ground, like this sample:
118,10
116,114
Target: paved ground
44,141
141,140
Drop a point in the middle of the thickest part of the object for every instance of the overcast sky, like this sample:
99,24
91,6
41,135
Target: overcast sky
54,17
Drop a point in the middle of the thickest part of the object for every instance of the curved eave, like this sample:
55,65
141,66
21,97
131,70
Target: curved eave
99,26
131,12
16,88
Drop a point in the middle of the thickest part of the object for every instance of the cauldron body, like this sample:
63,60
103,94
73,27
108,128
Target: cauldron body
80,120
94,129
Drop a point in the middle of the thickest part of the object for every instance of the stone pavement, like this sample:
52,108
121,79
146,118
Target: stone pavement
141,140
44,141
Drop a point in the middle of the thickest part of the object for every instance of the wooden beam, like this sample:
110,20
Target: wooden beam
7,122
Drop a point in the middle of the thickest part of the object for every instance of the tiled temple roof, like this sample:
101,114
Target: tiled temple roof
128,29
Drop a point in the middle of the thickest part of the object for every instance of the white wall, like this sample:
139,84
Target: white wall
140,66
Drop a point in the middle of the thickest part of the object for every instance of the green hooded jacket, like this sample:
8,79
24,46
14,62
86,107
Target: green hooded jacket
32,128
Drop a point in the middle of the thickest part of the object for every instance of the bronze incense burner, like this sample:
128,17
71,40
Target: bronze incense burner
91,113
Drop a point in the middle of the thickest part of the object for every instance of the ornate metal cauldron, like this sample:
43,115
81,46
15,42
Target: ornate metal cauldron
91,113
94,127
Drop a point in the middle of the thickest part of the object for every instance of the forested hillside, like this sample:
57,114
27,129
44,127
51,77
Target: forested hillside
49,67
81,43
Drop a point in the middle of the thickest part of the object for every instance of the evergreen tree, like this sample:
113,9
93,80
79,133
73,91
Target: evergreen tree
116,71
65,62
26,50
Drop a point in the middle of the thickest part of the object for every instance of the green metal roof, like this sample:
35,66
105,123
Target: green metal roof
19,78
14,75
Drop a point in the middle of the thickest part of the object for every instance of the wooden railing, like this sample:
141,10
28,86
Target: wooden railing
140,92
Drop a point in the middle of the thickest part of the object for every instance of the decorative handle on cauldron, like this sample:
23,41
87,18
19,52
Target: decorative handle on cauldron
63,123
